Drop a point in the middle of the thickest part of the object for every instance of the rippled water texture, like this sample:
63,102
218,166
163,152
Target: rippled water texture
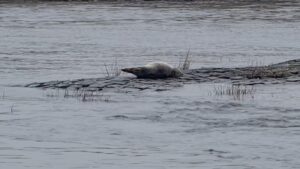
186,127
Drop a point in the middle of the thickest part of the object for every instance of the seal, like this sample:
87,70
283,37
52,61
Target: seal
155,70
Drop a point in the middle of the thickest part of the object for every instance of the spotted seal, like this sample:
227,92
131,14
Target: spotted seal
155,70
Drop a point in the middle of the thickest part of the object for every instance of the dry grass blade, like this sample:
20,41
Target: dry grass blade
12,108
3,94
82,95
186,63
106,69
113,70
237,91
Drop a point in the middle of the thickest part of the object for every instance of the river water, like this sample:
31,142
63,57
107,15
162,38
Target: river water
192,126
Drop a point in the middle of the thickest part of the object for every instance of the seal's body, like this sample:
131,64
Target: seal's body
155,70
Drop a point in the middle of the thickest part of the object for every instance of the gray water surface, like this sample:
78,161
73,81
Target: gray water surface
185,127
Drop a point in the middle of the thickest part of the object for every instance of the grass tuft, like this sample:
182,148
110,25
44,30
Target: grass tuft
82,95
112,70
185,65
237,91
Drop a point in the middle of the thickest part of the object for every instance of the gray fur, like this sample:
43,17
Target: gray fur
156,70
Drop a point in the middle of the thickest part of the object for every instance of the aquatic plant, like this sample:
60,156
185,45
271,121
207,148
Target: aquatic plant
237,91
185,64
82,95
3,94
52,93
12,108
112,70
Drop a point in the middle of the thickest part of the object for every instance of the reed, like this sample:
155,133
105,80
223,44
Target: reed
82,95
12,108
3,95
184,64
236,91
112,70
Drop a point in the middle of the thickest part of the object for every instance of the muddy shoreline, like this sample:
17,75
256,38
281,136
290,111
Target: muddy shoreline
284,72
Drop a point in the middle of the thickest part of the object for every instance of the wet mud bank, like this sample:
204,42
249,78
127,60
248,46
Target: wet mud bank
284,72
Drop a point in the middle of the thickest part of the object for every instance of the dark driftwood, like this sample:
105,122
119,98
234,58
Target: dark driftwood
285,72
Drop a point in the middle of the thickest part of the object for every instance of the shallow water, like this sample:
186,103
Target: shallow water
187,127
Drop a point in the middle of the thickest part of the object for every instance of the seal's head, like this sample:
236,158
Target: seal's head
176,73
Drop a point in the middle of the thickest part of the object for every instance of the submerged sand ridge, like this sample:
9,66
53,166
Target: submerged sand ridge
284,72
